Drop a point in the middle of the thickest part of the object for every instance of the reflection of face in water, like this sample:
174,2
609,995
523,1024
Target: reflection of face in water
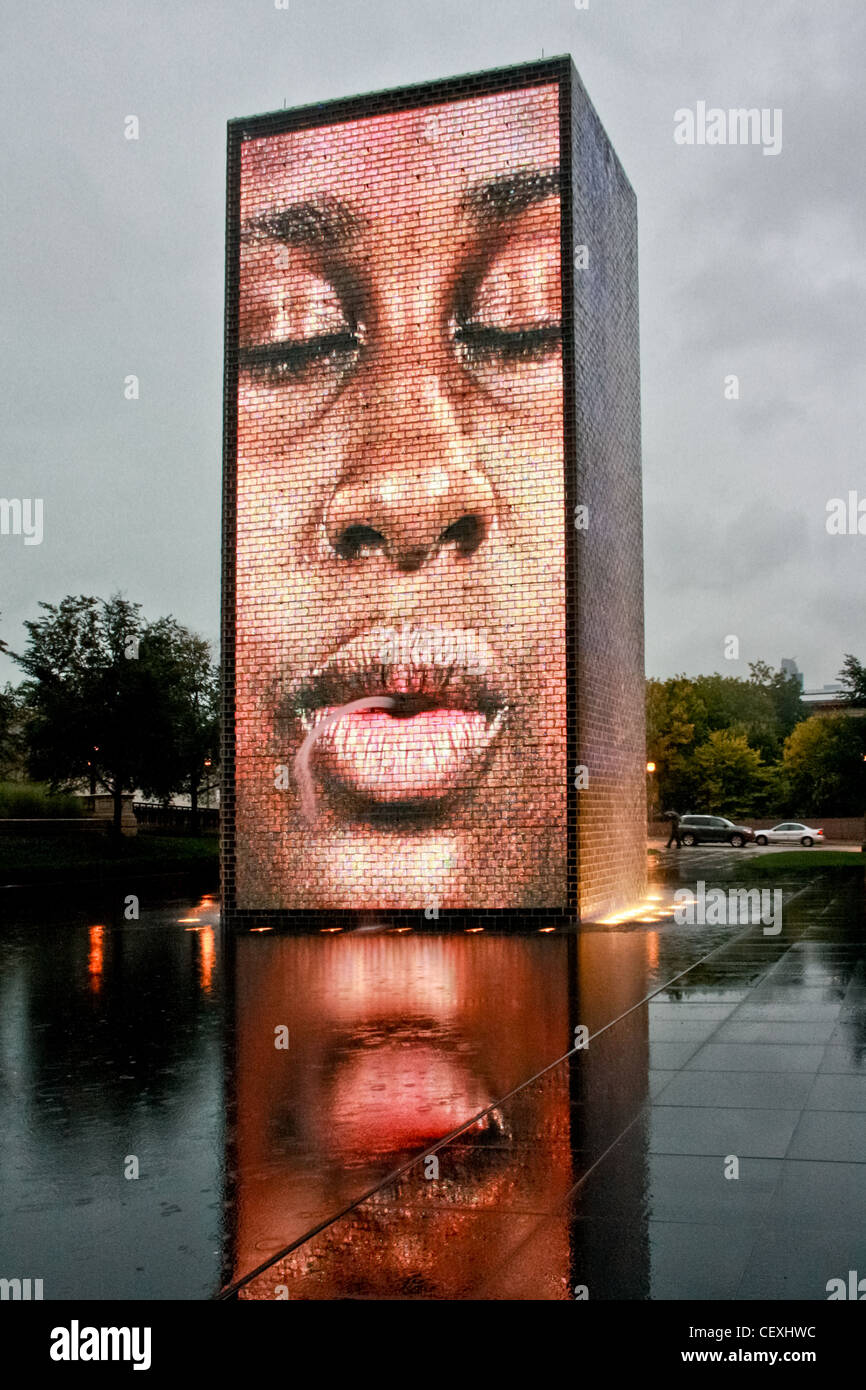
402,1086
393,1036
395,1041
443,1231
434,1232
401,510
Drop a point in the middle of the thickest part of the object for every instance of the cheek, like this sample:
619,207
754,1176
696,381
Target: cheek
284,478
278,420
529,484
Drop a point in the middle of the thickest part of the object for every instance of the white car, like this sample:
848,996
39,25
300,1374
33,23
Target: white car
789,832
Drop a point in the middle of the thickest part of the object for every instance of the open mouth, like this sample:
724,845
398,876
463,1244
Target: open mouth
440,711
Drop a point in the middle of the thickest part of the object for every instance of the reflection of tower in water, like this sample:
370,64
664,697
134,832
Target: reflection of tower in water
397,1042
609,1090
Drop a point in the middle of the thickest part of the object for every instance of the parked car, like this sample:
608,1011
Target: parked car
790,831
713,830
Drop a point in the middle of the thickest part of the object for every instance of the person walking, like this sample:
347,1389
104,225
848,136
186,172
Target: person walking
674,837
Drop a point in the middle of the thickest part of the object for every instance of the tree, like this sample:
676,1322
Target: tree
823,766
853,678
673,710
11,731
730,772
188,741
732,703
117,700
748,747
785,694
89,701
684,713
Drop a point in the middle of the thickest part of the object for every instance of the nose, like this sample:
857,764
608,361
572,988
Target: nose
413,490
410,513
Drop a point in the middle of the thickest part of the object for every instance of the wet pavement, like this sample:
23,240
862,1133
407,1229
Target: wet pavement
404,1114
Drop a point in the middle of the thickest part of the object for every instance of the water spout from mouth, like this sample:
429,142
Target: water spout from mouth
303,776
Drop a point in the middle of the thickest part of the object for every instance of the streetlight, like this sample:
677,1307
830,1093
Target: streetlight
651,767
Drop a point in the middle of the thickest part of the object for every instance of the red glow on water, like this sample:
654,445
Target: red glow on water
207,958
95,956
652,949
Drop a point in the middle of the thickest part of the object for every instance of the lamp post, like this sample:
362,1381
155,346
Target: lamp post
92,767
651,799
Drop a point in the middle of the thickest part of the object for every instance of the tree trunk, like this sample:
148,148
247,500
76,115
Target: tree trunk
117,821
193,807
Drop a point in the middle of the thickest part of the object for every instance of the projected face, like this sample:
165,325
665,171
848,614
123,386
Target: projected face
400,647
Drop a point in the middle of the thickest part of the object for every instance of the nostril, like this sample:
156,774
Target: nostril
355,541
465,535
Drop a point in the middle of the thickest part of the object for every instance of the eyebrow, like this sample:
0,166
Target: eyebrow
326,224
500,199
322,224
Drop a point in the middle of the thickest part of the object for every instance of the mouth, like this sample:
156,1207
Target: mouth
441,709
405,1092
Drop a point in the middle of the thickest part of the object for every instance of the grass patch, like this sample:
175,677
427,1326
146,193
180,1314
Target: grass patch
808,860
34,801
93,855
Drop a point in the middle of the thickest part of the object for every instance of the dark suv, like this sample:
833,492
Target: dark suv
713,830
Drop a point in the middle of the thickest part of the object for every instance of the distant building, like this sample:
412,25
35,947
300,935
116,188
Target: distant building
792,670
830,699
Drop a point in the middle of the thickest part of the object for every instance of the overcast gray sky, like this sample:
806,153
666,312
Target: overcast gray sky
750,264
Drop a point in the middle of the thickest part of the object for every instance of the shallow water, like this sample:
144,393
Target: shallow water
358,1054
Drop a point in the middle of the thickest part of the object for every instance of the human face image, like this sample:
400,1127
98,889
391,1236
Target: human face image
400,644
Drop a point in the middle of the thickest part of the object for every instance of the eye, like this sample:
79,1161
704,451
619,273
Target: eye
513,315
292,319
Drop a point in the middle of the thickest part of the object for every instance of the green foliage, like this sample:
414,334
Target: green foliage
730,773
823,766
34,801
740,748
853,679
12,733
188,740
116,700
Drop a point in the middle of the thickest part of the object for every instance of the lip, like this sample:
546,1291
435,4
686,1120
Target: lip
432,741
406,1093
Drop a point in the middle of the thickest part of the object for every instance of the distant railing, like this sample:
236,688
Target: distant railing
174,817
